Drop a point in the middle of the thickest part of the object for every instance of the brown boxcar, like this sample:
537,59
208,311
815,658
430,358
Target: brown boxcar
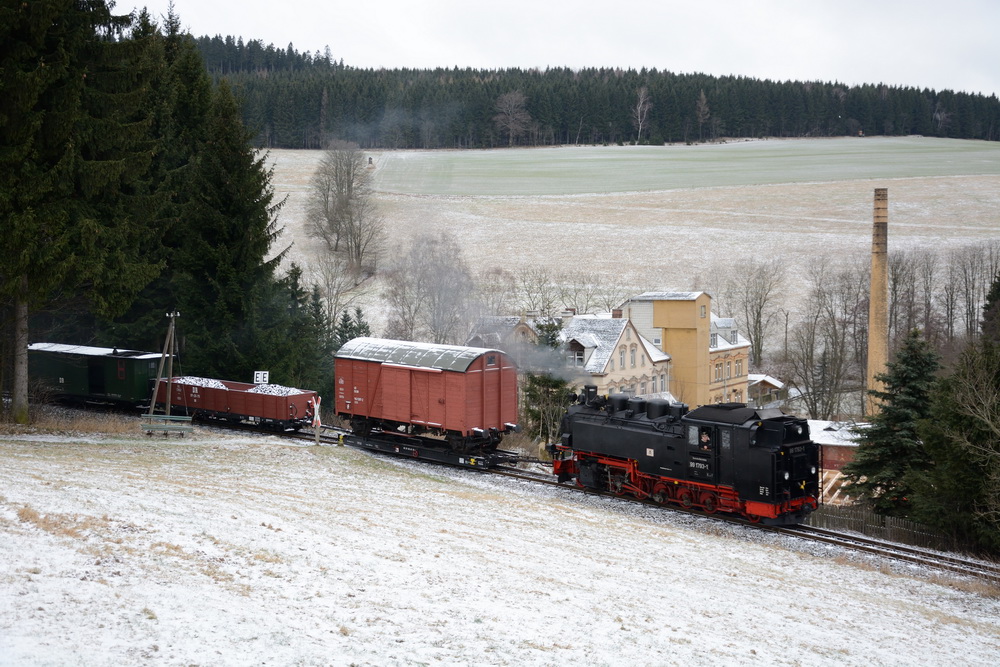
467,394
269,405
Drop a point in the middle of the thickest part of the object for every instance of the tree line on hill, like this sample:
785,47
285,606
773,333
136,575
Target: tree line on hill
299,100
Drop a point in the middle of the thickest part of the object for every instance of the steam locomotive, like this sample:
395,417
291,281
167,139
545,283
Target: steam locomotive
758,463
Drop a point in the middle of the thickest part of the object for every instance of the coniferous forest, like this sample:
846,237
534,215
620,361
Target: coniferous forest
300,100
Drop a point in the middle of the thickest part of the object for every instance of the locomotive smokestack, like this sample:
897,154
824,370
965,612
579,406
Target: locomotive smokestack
878,308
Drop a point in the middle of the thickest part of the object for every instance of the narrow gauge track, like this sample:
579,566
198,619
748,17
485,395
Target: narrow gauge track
985,571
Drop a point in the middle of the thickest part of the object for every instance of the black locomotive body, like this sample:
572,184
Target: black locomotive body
758,463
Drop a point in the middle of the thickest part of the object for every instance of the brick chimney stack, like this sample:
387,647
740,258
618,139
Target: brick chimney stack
878,303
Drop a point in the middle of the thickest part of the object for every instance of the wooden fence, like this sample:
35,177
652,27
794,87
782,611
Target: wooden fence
863,520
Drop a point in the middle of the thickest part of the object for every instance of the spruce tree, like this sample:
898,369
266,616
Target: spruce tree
960,492
889,447
74,162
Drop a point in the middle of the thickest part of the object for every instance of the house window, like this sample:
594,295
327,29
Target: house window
642,388
663,382
628,334
729,368
576,358
621,357
703,311
739,367
612,364
713,340
632,356
718,372
642,360
657,342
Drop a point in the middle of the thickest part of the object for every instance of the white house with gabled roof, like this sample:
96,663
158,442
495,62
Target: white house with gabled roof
611,353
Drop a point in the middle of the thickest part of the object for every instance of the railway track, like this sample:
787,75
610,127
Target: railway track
332,436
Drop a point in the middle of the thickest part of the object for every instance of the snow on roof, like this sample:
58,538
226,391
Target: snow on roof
407,353
90,351
757,378
666,296
832,433
602,335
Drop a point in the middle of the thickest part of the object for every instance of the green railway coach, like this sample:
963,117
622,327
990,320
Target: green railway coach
84,374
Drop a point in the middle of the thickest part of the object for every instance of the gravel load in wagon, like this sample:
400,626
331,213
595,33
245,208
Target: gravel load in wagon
287,407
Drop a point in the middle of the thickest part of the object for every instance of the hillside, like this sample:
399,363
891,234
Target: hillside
672,217
232,550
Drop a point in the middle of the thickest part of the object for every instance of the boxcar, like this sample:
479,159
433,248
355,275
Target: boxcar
96,375
468,395
273,406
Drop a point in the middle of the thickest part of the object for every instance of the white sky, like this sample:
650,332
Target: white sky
921,43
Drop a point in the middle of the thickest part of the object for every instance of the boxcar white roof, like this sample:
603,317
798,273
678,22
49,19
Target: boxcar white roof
408,353
88,351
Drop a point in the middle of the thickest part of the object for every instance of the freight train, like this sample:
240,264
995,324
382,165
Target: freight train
455,404
758,463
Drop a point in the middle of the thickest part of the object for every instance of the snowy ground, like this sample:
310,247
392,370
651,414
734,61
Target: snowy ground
226,550
660,218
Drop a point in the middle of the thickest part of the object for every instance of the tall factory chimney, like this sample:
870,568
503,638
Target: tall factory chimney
878,303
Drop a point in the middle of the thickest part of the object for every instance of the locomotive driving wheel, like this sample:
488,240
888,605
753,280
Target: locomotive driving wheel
661,494
685,498
710,503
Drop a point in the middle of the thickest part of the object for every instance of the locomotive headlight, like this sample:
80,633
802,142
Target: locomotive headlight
812,471
786,475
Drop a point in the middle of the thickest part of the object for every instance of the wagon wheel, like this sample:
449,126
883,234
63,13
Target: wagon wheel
685,498
710,503
661,494
753,518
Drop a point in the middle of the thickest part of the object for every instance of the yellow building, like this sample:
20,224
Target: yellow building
709,356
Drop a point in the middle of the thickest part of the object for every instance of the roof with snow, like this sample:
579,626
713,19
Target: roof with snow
407,353
666,296
602,335
760,378
88,351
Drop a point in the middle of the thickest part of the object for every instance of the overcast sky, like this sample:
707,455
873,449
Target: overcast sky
922,43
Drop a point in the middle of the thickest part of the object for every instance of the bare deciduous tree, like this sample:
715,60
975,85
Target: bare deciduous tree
430,290
640,112
702,112
751,293
342,209
820,357
337,287
496,291
538,291
512,116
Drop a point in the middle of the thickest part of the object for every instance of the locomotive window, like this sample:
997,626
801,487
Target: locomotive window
725,438
693,436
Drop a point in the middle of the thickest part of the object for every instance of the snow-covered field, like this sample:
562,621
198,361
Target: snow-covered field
670,217
236,550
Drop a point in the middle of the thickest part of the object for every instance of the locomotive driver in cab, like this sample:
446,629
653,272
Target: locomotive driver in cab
706,441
